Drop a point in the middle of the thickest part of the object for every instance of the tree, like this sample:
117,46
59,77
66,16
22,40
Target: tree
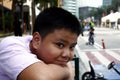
105,9
3,20
115,4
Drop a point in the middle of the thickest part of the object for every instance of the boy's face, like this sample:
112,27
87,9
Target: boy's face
56,47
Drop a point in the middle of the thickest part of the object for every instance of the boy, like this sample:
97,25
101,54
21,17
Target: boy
46,54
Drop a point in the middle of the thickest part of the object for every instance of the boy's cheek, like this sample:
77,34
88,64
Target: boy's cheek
72,56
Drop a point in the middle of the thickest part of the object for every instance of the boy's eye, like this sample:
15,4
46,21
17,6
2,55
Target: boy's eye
60,45
72,47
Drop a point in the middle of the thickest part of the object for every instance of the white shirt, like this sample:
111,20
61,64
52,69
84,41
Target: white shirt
15,56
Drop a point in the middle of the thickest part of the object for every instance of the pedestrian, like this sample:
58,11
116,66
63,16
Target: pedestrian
17,28
91,37
82,26
92,24
47,53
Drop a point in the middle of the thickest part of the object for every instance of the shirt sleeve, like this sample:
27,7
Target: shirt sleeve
14,58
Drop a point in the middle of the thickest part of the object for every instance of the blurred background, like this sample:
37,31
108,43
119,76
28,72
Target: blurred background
25,11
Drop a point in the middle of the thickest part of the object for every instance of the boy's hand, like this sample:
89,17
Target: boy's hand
72,71
67,72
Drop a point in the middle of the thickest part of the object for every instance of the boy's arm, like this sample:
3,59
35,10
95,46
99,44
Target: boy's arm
42,71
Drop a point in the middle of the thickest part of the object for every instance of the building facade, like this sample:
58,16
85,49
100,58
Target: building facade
84,12
70,5
107,2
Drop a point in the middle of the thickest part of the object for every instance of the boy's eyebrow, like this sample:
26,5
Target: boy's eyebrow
66,41
62,40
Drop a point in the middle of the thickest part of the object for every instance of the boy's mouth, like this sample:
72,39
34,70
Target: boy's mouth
61,63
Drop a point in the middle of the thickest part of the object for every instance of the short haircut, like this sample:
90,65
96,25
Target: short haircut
54,18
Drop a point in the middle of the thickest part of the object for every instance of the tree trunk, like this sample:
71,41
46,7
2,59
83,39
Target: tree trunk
33,15
13,6
3,20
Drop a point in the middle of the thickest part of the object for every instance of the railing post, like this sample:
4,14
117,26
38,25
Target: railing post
76,59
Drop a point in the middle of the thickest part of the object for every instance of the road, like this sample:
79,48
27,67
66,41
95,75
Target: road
95,53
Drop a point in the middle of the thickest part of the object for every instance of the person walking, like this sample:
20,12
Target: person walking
92,24
91,37
17,28
82,26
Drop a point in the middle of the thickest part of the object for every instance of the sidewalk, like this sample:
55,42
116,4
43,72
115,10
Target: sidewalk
5,34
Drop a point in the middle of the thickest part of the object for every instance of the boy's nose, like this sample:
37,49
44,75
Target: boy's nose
66,55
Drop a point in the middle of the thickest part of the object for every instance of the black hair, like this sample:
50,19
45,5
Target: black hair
54,18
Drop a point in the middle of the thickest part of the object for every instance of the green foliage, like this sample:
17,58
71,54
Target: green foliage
97,13
7,23
115,5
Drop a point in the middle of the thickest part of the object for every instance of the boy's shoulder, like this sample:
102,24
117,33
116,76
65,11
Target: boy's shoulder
13,40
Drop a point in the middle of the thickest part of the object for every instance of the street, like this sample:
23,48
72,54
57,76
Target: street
95,53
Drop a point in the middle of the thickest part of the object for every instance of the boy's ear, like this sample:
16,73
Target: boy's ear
36,40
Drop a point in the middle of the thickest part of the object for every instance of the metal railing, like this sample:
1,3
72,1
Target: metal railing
76,63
